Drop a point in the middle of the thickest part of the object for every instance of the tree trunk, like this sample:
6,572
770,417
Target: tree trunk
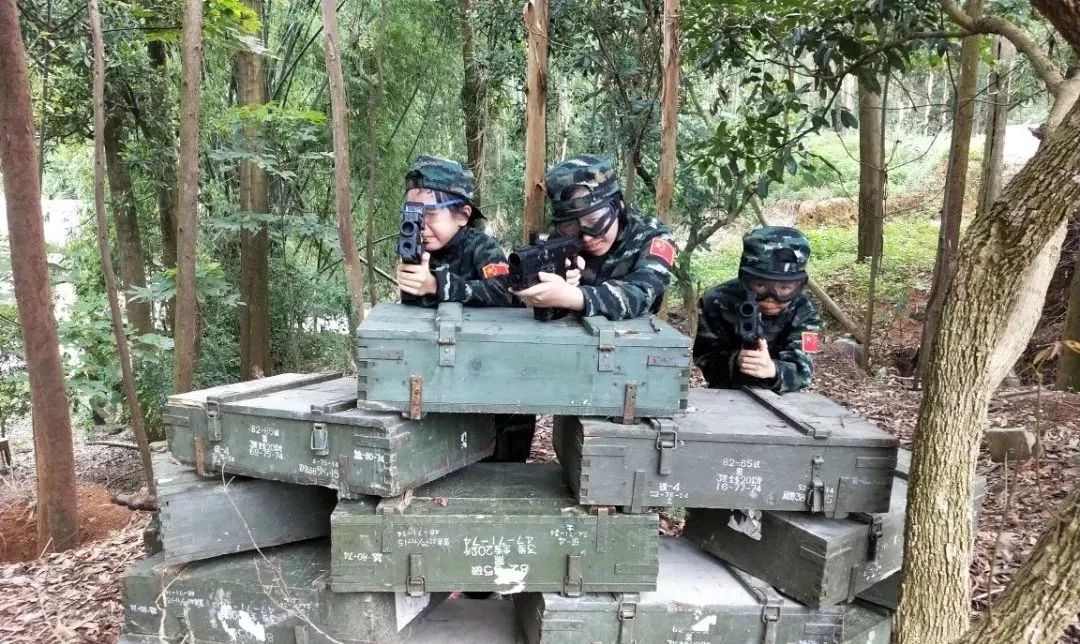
374,158
952,208
871,173
1068,376
255,359
53,452
566,108
131,396
929,101
1041,600
186,327
166,179
536,26
126,219
669,112
354,276
998,101
473,99
995,254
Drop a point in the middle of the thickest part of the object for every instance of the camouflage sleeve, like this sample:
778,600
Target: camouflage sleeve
715,344
794,367
635,294
490,290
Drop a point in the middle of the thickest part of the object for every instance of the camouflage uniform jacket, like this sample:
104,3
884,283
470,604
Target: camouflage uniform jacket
470,269
629,279
718,343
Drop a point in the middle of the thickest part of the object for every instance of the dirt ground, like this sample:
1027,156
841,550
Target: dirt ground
75,596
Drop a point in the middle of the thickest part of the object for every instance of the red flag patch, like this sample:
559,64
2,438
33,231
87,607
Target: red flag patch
811,342
663,249
495,270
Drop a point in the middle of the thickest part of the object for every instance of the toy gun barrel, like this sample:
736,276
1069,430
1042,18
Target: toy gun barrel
749,323
410,246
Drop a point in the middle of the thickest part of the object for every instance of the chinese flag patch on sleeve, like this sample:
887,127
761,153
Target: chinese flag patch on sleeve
811,342
662,249
495,269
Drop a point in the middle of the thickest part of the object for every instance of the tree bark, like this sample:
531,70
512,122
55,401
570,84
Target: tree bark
473,99
166,179
185,328
354,276
131,396
374,158
53,452
1068,376
993,257
536,26
669,112
998,101
871,173
126,219
255,361
952,209
1041,600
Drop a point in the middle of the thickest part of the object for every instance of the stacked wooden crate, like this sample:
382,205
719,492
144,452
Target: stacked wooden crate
323,508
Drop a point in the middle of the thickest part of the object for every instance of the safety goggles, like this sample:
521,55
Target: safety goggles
779,290
593,224
427,209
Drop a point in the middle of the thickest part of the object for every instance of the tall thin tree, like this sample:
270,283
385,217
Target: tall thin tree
53,451
131,397
374,154
536,26
473,99
871,171
952,208
254,244
669,111
354,276
186,326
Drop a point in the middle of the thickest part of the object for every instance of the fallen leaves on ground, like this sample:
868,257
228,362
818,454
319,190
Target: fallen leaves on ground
71,596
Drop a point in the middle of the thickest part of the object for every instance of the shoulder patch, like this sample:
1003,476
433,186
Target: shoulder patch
495,269
811,342
662,249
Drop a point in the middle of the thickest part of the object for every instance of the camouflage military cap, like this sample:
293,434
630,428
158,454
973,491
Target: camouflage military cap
775,253
591,171
446,175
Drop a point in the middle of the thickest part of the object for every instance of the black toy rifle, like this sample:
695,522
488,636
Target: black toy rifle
410,246
749,325
542,256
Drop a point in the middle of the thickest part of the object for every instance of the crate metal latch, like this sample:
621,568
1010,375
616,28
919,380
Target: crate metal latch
414,585
667,440
573,582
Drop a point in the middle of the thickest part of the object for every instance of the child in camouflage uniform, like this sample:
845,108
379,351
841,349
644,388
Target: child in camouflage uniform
627,259
460,262
773,270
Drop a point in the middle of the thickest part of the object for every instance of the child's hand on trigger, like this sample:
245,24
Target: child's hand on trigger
416,279
757,363
573,272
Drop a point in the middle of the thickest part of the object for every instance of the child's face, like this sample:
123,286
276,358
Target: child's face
596,246
440,224
769,305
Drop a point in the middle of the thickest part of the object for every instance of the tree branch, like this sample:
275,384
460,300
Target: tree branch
1044,67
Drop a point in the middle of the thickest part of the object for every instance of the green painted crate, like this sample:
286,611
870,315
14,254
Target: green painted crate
505,527
816,560
733,449
200,518
501,360
306,429
279,596
698,599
